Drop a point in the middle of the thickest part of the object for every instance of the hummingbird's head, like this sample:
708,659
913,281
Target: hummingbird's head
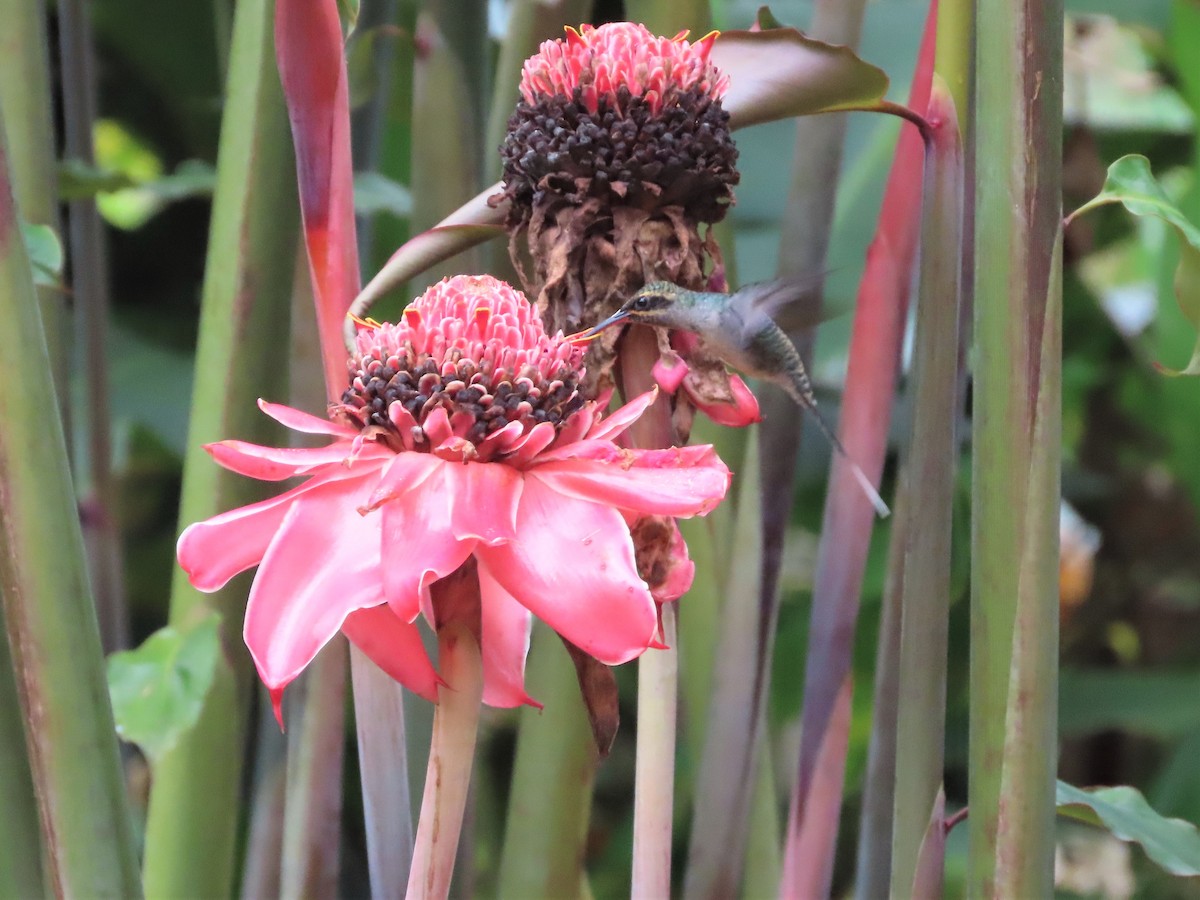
658,303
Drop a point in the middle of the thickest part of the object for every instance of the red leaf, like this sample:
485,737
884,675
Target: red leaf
312,68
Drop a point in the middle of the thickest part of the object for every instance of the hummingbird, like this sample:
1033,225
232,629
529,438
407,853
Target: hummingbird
739,329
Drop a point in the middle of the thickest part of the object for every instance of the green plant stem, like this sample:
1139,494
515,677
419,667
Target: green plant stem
874,864
26,104
932,453
312,832
550,799
669,17
721,801
193,815
1018,127
764,859
48,613
89,285
25,97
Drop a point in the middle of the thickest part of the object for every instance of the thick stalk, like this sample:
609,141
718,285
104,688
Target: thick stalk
89,285
654,772
932,453
551,795
455,726
874,863
193,814
48,612
1018,125
25,97
25,100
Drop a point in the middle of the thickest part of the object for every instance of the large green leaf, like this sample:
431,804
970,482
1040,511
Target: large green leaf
1123,811
158,689
1146,703
1131,183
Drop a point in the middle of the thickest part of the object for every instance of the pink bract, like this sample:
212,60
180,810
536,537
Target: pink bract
601,61
463,433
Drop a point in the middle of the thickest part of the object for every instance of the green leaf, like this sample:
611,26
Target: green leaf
1146,703
45,254
348,9
1131,183
376,193
158,690
1124,812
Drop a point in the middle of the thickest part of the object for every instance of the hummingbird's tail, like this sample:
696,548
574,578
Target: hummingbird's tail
860,476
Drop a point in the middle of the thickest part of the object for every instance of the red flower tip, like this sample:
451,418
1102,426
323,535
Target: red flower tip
621,56
277,705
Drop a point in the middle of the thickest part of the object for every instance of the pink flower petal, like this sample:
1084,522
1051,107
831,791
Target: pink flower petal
742,411
572,566
609,427
680,575
322,565
395,646
298,420
419,543
275,463
669,372
678,481
406,472
483,500
213,551
538,438
506,624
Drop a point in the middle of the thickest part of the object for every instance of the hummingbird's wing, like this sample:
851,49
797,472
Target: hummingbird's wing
793,298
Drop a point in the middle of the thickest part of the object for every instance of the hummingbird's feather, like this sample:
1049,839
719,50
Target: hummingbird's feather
757,303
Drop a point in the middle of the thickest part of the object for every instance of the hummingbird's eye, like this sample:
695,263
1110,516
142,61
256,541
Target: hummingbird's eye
641,303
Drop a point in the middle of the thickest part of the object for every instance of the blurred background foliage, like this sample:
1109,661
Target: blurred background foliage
1130,693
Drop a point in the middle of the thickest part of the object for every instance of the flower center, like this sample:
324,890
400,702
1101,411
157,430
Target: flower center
472,346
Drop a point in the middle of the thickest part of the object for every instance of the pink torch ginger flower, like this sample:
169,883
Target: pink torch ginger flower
601,61
463,433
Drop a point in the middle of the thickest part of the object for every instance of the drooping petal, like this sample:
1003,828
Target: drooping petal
681,572
506,625
669,372
610,426
276,463
322,565
395,646
419,544
572,566
298,420
677,481
213,551
741,412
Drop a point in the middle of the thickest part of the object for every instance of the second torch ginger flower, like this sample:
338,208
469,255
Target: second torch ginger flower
617,161
463,432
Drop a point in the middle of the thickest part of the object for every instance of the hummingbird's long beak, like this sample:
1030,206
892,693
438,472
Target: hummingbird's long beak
619,316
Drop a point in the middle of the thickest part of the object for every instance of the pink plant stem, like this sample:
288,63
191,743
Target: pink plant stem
875,344
654,794
455,726
658,670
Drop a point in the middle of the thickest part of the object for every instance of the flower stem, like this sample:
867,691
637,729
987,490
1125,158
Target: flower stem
654,776
551,792
1016,397
49,618
193,818
455,727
